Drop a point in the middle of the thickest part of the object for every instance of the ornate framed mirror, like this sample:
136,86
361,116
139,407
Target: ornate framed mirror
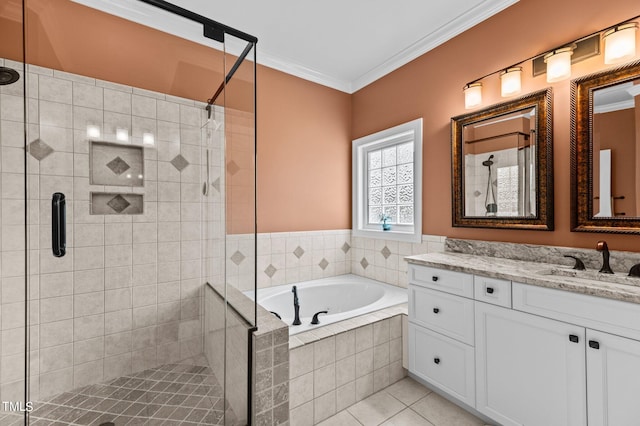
502,165
605,151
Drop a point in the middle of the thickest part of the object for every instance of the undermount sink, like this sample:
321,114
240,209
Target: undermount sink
618,278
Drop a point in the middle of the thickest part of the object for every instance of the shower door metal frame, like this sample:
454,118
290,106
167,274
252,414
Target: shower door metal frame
216,31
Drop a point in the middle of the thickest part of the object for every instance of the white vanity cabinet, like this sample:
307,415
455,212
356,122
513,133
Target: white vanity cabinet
441,330
529,369
534,355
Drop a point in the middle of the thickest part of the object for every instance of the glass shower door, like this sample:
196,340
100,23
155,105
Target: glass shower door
122,197
240,227
15,303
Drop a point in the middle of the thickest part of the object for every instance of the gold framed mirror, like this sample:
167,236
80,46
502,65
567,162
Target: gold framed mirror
502,165
605,151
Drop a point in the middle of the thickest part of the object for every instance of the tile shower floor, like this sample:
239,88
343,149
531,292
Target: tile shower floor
186,393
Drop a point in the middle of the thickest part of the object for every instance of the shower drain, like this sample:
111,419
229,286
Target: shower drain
108,424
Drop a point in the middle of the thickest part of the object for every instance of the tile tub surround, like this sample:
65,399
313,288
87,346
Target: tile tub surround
533,273
336,366
381,260
127,296
290,257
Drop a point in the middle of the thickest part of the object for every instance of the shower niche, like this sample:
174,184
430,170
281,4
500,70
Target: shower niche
502,165
116,165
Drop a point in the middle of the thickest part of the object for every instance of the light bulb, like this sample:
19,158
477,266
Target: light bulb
558,64
511,82
472,95
620,43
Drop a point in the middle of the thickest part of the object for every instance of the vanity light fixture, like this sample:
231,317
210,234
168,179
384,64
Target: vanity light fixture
619,46
620,43
472,95
511,81
558,64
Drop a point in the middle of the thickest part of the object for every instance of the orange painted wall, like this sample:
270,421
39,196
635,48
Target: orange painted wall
303,131
304,167
431,87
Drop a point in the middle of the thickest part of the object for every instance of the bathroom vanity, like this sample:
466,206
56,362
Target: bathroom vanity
526,343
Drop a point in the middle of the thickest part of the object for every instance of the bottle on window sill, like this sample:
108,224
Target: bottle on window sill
385,226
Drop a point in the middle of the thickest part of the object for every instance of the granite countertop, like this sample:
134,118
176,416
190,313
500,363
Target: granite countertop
561,277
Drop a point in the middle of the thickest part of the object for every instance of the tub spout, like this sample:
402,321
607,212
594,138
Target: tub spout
296,306
276,314
315,320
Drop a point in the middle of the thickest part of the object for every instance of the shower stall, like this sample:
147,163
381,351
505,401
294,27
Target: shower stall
128,215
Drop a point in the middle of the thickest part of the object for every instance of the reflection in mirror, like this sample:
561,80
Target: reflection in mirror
616,157
605,149
499,165
502,165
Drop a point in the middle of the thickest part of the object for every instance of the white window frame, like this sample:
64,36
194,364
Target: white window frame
407,132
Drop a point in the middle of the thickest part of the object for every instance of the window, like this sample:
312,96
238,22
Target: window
387,183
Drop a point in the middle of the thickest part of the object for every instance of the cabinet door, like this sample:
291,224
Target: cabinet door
529,370
613,380
443,362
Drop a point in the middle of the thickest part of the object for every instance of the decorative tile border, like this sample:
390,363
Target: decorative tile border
289,257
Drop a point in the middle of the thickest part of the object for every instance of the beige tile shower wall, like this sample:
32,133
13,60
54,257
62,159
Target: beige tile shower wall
333,373
127,295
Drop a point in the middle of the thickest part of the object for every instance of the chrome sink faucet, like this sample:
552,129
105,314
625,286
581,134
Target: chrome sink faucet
296,306
602,246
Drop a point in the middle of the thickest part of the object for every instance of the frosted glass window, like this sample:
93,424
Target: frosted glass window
507,193
387,175
392,169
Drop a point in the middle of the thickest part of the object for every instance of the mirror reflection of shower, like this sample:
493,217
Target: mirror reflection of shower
490,198
500,170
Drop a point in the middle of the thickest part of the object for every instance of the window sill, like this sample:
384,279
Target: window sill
410,237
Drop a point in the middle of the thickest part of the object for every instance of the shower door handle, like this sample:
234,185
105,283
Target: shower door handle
58,225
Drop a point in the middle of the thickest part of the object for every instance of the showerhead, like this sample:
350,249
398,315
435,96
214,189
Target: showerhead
8,76
488,161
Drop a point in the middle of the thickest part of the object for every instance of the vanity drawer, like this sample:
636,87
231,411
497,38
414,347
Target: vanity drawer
442,362
442,312
597,313
458,283
492,290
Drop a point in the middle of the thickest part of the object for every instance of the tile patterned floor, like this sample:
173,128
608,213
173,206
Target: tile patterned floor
173,394
405,403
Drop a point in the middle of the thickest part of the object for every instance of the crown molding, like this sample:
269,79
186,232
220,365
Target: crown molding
136,12
446,32
290,67
616,106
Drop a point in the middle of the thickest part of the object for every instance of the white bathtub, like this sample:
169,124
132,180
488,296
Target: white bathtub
344,296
